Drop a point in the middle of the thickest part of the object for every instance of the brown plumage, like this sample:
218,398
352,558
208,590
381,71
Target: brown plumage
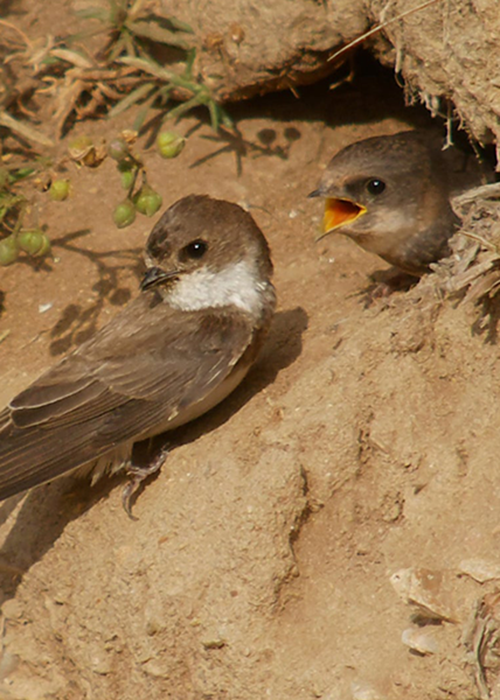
391,194
175,351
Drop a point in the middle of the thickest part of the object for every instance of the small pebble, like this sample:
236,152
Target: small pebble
365,691
42,308
421,640
425,589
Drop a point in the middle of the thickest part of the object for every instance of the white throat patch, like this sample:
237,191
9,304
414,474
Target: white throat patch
235,285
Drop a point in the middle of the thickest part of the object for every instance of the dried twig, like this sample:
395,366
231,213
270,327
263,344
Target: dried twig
379,27
24,130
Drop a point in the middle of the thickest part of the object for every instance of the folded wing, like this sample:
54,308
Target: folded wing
142,368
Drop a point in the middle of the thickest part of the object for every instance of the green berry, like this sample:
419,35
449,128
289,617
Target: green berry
170,144
124,214
34,242
147,201
9,250
127,178
118,149
59,190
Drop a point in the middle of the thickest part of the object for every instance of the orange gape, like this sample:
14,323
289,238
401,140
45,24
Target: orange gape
339,212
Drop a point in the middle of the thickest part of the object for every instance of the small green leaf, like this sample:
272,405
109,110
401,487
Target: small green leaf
20,174
226,118
214,115
184,107
132,98
76,58
51,61
142,113
180,26
148,66
191,55
94,13
9,201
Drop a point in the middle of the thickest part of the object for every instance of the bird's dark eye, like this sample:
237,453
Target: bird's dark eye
375,186
195,250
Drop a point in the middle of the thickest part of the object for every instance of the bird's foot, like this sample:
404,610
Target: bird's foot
137,475
386,283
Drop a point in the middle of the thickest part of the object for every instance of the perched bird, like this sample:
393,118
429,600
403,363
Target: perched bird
174,352
391,194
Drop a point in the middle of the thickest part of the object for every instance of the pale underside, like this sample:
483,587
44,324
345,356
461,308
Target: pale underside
154,367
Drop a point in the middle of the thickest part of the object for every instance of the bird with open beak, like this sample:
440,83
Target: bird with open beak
178,349
391,195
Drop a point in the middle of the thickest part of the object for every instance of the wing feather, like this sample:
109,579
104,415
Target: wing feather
147,364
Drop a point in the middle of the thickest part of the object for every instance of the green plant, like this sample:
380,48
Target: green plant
130,26
141,197
133,34
125,72
13,43
13,204
163,85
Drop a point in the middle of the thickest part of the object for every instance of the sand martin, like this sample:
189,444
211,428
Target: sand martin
178,349
391,194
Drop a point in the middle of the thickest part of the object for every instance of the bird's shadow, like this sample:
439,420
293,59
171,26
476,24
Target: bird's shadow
47,510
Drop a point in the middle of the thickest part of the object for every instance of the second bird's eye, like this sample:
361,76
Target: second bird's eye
196,249
375,186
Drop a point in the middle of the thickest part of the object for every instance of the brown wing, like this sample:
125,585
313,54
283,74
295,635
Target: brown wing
147,364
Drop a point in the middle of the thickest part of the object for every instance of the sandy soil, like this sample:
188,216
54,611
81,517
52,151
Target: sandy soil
365,442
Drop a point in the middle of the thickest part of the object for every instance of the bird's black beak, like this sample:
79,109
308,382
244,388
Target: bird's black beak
314,193
155,275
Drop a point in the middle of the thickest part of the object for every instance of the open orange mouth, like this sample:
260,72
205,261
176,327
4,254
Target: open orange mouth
339,212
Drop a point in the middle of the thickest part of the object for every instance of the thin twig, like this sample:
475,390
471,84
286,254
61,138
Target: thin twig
379,27
479,239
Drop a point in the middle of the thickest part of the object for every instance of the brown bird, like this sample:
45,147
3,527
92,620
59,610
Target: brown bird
391,194
174,352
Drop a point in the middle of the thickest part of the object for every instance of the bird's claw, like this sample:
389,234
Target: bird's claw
137,475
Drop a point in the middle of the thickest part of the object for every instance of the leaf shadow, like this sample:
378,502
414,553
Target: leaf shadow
78,323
